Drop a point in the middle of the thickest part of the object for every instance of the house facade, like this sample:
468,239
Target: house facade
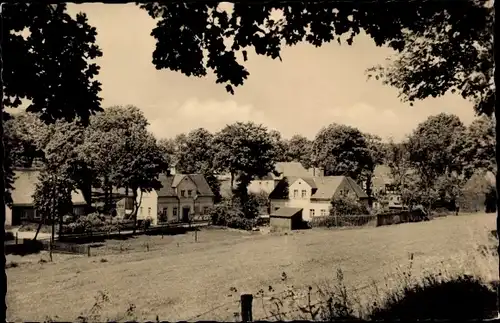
387,194
267,183
183,197
23,209
314,194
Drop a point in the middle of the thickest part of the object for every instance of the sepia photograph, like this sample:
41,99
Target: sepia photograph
249,161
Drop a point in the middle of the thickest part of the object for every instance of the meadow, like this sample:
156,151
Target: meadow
175,278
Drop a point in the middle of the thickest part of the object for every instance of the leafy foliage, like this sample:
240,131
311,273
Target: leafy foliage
194,153
52,196
300,150
341,150
346,205
192,38
246,151
51,66
447,56
229,215
479,146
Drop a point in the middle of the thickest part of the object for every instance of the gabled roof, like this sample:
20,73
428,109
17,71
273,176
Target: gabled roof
169,183
360,193
323,187
327,186
286,212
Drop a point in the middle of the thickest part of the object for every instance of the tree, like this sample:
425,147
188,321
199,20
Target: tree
397,157
341,150
479,146
280,146
376,156
195,154
52,66
300,150
245,150
52,198
434,151
122,153
192,38
168,148
139,163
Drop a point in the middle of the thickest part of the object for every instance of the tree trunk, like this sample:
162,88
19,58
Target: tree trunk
2,188
134,194
497,158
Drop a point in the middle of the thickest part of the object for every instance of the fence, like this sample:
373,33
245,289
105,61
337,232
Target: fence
26,246
344,221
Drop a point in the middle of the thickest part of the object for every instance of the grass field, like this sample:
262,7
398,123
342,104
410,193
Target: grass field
178,278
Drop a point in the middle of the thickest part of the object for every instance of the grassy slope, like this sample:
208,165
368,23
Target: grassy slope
178,279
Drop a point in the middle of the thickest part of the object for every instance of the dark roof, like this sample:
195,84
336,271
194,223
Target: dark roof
286,212
170,182
327,186
356,188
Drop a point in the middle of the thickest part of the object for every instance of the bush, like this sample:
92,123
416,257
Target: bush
224,214
345,205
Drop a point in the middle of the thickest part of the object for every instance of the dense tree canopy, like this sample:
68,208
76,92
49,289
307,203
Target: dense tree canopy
189,32
300,150
341,150
245,150
47,56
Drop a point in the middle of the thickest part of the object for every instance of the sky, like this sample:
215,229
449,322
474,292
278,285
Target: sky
311,87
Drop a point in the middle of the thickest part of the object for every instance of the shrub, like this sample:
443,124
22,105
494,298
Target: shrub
345,205
225,214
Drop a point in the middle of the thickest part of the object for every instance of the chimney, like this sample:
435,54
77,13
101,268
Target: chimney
171,171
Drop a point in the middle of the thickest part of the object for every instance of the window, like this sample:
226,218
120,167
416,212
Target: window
205,210
311,213
323,212
165,211
341,193
183,193
304,193
276,208
149,211
346,192
174,212
190,193
295,193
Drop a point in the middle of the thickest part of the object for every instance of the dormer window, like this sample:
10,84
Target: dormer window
183,193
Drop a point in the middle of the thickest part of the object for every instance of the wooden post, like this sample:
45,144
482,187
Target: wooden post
88,251
246,307
50,250
196,235
16,238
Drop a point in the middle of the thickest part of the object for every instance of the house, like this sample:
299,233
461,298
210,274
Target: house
314,194
23,209
286,219
268,183
384,189
181,198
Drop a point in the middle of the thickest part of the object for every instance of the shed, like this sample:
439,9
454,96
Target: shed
286,218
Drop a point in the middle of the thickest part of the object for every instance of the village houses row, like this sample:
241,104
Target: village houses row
188,196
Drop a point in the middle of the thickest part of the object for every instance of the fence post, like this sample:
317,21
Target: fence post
246,307
196,235
88,251
50,250
16,238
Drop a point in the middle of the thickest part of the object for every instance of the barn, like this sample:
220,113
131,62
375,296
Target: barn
285,219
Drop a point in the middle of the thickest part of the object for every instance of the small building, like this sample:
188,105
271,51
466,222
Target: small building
23,208
286,219
314,194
